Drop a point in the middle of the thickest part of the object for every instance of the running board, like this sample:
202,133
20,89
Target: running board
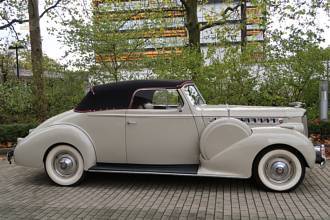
185,169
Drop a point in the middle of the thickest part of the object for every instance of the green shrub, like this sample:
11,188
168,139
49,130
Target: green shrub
16,102
16,98
10,132
64,94
319,128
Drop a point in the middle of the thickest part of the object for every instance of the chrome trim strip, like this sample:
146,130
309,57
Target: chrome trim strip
141,172
106,115
164,174
160,116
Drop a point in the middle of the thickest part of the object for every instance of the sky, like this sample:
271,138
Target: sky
52,47
56,50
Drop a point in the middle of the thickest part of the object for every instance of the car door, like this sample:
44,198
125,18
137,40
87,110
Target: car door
107,131
160,129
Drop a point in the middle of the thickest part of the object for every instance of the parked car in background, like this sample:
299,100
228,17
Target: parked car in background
166,127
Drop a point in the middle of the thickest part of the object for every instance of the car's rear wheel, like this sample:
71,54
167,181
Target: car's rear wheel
64,165
279,170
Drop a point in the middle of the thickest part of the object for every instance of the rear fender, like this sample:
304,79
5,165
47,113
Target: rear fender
31,150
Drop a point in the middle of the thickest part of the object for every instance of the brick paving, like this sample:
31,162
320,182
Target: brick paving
27,193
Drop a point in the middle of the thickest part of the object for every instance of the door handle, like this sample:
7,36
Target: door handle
131,122
212,119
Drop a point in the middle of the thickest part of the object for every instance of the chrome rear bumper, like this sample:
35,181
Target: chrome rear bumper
320,155
10,155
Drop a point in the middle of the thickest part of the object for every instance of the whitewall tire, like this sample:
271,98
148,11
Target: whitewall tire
279,170
64,165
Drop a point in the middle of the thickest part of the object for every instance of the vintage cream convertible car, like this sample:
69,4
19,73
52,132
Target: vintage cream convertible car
165,127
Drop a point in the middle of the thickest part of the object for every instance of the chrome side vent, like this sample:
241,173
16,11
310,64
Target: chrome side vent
262,121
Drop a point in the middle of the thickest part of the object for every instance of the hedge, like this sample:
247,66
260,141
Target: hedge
10,132
322,128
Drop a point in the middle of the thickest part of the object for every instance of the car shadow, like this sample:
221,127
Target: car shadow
106,180
37,177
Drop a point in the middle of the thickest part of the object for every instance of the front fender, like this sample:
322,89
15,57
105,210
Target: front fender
237,159
31,150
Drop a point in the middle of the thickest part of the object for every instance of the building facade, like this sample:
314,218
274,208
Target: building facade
159,26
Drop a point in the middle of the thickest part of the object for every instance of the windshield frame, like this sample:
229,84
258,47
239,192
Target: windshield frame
190,98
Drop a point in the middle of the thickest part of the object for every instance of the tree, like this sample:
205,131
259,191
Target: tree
195,27
284,68
102,42
6,64
15,9
36,60
14,13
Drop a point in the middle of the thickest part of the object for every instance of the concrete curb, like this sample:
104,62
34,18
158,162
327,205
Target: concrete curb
4,151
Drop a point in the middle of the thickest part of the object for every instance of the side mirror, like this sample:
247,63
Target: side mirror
180,108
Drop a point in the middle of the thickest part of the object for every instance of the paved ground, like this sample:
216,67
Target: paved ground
28,194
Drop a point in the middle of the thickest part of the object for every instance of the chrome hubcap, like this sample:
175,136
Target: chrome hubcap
279,170
65,165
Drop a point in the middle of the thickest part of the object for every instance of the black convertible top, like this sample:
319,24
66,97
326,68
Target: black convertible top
118,95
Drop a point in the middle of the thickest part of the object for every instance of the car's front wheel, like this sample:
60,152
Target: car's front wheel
64,165
279,170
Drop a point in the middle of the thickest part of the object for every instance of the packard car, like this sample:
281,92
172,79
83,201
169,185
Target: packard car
166,127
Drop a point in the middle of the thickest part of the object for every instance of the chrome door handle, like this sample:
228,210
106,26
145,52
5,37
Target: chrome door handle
131,122
212,119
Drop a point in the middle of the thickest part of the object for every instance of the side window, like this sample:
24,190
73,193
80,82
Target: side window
157,99
173,99
160,97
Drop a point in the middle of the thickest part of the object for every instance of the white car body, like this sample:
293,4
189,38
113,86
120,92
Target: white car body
219,140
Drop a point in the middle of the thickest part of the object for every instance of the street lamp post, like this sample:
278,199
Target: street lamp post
16,47
324,88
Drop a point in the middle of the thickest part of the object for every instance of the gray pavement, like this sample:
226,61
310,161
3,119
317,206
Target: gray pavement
27,193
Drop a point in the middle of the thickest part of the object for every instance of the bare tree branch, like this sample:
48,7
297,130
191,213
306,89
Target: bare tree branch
216,23
11,27
50,8
21,21
10,23
222,21
231,9
15,32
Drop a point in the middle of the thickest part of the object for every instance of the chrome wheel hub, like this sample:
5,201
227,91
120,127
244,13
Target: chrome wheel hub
65,165
279,170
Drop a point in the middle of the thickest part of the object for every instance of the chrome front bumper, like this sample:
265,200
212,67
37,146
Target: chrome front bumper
320,155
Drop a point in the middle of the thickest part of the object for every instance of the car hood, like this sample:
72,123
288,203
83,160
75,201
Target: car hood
251,111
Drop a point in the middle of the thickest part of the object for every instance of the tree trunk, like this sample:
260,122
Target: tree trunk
4,73
40,102
192,24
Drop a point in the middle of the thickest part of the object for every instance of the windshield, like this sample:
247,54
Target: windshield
194,95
